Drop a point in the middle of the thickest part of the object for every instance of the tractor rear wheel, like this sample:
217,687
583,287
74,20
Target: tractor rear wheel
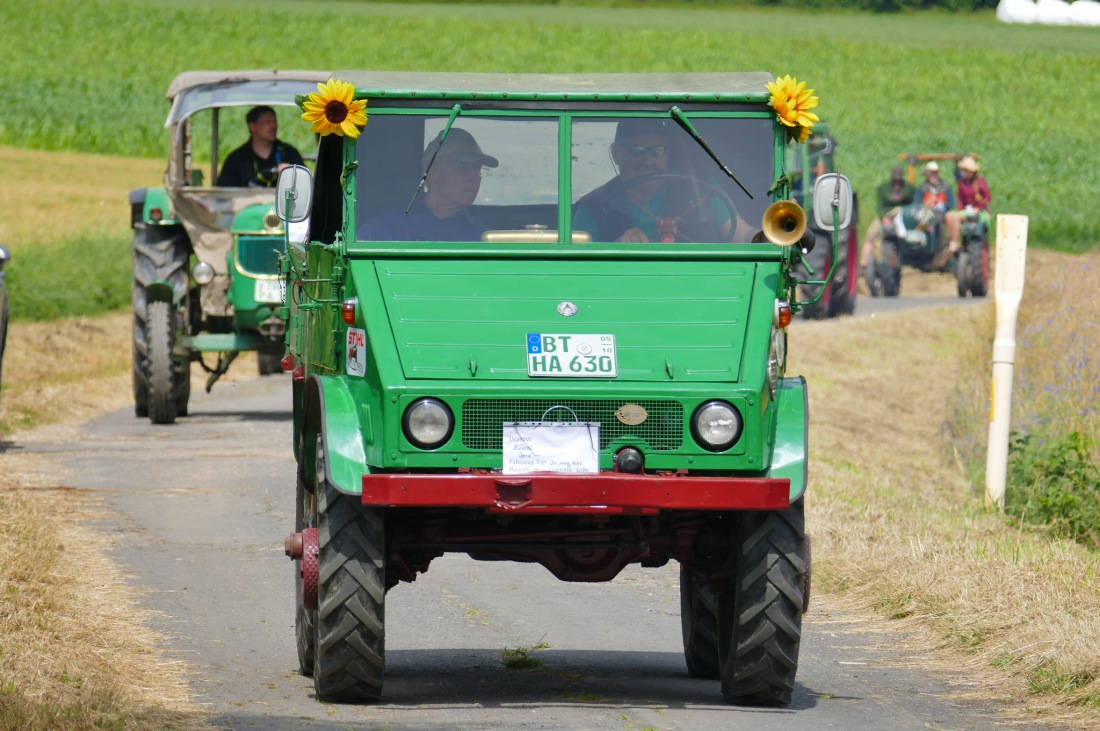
350,648
160,254
699,623
760,614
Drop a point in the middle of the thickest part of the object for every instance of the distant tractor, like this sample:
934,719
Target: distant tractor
917,238
837,296
206,258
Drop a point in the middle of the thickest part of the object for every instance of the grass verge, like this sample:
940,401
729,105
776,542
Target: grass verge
900,528
73,648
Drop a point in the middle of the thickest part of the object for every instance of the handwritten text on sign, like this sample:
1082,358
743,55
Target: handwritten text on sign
551,446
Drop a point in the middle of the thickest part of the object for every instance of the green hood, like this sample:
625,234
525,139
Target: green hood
470,319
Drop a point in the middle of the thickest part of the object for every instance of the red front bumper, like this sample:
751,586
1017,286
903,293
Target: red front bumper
553,493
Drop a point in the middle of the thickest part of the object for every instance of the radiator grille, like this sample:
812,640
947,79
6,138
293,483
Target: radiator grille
483,420
259,254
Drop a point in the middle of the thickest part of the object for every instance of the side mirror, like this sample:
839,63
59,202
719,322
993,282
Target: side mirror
294,194
5,256
832,191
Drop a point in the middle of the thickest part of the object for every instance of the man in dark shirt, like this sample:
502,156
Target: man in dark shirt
256,163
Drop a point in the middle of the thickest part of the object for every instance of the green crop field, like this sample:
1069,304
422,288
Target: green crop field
90,75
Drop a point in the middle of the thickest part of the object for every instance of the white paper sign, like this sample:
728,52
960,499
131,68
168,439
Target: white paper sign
357,352
551,446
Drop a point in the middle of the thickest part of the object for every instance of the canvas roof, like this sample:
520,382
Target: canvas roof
402,83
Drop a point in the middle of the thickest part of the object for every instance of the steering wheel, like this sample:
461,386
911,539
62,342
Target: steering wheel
698,211
263,178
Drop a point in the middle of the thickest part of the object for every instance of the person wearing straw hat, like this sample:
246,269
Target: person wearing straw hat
973,193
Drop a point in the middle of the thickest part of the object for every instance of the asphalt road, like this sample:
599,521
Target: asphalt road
202,507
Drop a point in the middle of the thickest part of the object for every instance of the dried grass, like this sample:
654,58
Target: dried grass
74,649
898,528
59,197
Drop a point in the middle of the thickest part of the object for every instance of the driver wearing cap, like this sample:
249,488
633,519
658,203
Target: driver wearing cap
442,213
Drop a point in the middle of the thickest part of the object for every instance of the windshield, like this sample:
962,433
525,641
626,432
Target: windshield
499,178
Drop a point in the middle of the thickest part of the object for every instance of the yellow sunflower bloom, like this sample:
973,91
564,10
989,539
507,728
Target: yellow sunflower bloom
332,109
792,102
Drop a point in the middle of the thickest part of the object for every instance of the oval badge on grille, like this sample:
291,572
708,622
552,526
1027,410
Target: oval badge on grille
631,414
567,309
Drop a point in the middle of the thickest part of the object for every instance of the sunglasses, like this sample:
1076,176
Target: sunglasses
640,150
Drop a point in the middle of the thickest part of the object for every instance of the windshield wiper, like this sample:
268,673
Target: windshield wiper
683,121
455,111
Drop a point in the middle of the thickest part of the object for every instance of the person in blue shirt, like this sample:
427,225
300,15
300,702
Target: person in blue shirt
644,203
442,211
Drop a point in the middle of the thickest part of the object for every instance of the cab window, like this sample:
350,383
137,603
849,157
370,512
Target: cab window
488,174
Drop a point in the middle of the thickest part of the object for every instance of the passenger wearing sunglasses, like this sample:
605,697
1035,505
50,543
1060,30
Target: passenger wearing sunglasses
647,201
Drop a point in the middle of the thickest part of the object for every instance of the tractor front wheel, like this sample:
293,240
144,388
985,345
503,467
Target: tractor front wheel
270,363
162,398
760,614
350,647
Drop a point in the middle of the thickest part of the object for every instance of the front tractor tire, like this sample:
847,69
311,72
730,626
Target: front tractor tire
270,363
761,612
349,653
163,404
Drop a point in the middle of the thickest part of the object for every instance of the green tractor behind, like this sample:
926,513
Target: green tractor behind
206,258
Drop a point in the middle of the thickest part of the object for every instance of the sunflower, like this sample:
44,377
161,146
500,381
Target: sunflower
331,109
792,102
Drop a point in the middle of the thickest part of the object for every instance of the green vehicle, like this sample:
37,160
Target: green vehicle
537,391
206,258
838,297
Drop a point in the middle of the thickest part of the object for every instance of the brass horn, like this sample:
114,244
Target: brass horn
784,223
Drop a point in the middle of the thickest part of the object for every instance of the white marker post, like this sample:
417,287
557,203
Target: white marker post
1009,290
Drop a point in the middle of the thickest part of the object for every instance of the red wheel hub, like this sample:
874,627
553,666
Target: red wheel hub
303,547
310,568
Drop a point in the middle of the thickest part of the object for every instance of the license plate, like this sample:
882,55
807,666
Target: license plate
269,290
571,356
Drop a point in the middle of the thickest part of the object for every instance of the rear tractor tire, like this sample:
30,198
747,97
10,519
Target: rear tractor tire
699,623
160,254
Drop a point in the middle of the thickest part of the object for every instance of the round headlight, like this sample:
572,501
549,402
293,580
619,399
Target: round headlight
716,426
203,273
272,223
428,423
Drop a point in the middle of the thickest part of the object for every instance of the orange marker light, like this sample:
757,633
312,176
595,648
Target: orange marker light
783,314
348,309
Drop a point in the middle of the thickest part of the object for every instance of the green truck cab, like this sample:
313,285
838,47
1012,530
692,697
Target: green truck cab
206,257
507,380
